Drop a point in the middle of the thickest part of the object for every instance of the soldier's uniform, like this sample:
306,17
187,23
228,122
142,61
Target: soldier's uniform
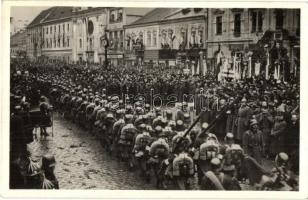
252,142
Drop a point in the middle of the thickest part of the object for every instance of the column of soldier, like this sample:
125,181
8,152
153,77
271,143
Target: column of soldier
116,106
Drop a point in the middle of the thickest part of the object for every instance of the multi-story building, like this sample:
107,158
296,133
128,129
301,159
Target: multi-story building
75,34
193,37
57,34
18,45
89,25
169,36
49,35
117,18
236,34
34,36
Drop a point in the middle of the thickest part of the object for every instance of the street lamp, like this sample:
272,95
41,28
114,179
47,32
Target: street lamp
106,44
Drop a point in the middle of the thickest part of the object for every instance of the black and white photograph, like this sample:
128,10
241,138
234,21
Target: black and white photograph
154,98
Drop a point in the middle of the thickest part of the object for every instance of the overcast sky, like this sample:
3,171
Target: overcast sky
26,12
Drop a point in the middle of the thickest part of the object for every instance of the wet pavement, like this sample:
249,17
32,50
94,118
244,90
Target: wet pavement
83,164
81,161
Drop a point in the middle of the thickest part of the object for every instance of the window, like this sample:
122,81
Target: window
154,38
115,39
149,38
219,25
68,27
112,16
121,39
80,43
90,43
63,28
116,34
46,30
237,25
68,42
120,15
254,22
257,21
110,35
59,28
50,43
260,21
51,30
279,19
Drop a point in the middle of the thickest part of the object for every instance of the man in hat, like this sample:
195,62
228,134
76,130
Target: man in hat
244,115
265,121
252,141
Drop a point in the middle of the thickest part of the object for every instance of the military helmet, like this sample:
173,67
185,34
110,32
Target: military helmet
281,159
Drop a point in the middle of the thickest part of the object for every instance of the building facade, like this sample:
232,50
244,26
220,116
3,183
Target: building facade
76,34
168,36
49,35
57,35
89,25
18,45
236,37
201,39
117,18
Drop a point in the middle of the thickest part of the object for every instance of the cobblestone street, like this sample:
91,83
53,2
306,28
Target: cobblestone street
81,161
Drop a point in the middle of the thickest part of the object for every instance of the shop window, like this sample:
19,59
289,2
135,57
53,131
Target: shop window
218,25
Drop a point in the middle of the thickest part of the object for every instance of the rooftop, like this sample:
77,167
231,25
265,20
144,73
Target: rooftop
154,16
